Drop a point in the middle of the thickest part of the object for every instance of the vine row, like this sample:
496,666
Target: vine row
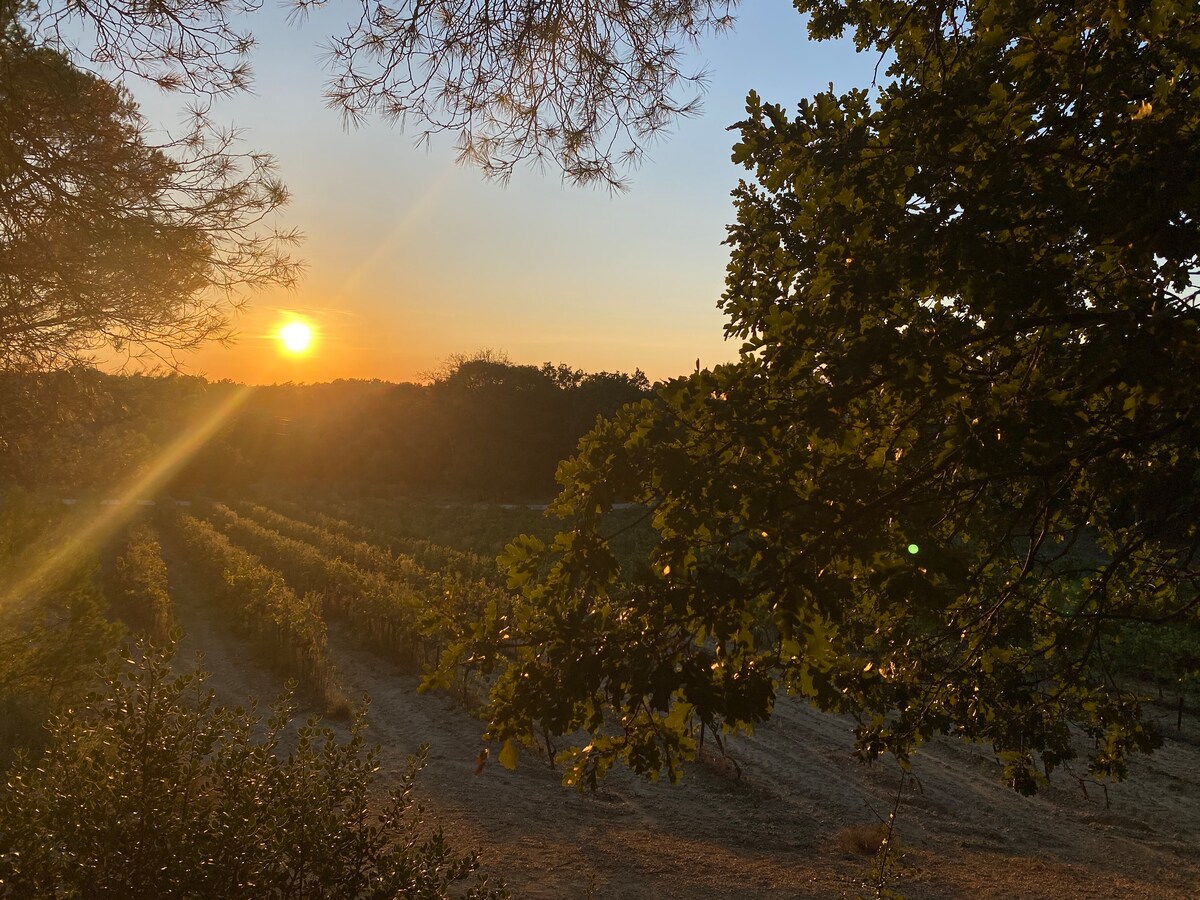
287,625
331,516
384,611
139,591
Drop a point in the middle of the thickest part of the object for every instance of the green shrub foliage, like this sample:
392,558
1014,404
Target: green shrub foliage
152,790
50,644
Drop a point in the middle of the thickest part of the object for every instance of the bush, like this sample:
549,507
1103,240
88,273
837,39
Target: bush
152,790
50,643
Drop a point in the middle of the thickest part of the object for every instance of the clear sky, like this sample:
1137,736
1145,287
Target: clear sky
411,258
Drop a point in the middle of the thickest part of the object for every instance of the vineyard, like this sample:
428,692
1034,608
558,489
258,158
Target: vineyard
361,597
894,592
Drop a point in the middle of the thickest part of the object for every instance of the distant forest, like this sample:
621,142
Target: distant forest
481,429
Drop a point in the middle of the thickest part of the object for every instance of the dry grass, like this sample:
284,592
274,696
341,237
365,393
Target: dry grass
861,840
336,705
718,762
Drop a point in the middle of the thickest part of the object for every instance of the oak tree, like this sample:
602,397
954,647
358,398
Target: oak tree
956,459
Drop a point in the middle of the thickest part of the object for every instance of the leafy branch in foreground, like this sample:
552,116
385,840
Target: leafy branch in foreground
151,790
960,451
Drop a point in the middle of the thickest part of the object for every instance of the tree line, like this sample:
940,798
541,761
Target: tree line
482,429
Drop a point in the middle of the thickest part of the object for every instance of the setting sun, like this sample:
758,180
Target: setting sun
296,337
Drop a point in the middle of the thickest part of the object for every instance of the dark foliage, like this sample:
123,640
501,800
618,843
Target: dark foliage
151,790
958,456
484,430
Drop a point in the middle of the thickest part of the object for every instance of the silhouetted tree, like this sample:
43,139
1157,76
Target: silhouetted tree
584,84
106,238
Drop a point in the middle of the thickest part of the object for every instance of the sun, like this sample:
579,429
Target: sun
296,337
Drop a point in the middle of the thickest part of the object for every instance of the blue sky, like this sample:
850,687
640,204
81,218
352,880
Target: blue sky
412,258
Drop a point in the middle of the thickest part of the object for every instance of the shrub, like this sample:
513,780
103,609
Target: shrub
862,840
50,643
152,790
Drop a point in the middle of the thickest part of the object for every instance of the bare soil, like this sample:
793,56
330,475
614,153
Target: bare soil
773,832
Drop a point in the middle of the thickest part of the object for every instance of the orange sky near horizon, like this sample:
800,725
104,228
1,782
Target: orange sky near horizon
411,259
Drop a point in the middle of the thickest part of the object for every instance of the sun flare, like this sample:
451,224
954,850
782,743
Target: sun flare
296,337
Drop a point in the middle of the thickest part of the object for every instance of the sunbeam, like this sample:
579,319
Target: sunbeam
80,533
388,244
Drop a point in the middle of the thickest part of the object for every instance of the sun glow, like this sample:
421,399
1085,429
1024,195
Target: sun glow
296,337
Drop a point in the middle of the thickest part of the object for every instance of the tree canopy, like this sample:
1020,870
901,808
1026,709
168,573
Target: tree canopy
107,238
584,85
956,461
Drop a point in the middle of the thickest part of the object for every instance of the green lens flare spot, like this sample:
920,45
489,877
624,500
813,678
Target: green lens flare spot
914,549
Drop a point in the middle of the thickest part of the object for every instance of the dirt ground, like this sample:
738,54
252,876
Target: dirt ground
775,831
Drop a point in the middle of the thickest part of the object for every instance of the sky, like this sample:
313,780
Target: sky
411,258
